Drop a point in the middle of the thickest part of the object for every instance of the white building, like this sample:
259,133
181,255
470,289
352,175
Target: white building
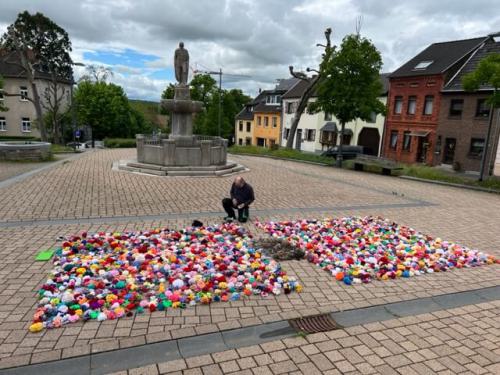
319,131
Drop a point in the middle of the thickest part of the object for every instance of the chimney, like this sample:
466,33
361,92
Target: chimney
260,90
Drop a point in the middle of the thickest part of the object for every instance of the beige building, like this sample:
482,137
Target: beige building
20,119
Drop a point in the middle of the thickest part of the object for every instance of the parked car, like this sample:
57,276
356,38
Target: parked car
348,152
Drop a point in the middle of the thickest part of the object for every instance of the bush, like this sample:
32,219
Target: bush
119,142
18,138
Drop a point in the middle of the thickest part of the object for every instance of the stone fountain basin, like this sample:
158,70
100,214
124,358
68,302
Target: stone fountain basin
182,106
24,150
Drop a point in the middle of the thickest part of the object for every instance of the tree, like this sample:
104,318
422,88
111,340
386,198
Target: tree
312,83
97,73
105,108
37,45
350,84
487,74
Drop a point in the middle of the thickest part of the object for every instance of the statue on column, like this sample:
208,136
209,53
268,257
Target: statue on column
181,64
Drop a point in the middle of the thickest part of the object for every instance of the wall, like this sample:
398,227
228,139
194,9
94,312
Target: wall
19,109
419,87
317,120
463,129
268,132
244,134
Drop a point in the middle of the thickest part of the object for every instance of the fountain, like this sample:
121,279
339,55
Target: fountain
25,151
181,153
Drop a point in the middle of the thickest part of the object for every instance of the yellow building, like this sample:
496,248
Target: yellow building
267,118
244,126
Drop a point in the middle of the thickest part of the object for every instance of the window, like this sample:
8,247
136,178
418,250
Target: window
412,105
26,125
3,124
482,109
398,105
248,141
259,121
422,65
289,107
310,135
456,107
476,147
373,118
406,141
275,121
394,139
266,121
286,133
273,99
328,116
1,94
241,126
249,126
23,91
240,141
429,101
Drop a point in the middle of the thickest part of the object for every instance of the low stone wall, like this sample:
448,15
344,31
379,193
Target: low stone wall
28,151
182,151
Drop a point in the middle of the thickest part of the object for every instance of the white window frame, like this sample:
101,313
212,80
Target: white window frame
24,95
422,65
3,124
428,102
24,121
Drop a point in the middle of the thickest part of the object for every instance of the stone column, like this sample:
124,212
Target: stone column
139,139
224,152
168,151
206,152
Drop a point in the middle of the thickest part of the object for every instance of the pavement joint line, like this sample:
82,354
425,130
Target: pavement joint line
64,366
23,176
196,215
340,181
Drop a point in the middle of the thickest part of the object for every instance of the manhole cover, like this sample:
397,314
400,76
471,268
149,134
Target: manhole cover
314,324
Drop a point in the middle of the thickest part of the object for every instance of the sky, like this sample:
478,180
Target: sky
254,40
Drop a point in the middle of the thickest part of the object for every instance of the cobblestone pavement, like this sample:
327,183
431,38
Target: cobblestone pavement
87,188
461,340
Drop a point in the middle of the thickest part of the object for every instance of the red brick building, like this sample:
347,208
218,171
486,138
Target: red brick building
415,100
464,119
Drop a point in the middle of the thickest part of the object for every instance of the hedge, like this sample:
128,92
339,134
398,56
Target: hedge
119,142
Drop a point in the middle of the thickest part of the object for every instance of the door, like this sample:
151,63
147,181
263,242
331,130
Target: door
449,150
298,139
370,140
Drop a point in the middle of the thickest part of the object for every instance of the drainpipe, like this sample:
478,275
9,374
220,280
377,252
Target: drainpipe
486,142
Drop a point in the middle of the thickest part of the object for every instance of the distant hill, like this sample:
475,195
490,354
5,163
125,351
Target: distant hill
149,110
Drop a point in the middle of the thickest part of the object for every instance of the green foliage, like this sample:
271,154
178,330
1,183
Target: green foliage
105,108
350,84
284,153
18,138
45,44
119,142
204,88
486,73
150,112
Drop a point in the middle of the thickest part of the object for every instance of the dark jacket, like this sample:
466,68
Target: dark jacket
242,194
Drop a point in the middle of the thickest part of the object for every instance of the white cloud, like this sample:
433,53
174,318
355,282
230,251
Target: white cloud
258,38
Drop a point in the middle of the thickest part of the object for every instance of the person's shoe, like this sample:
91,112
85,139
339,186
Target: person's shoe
228,219
243,219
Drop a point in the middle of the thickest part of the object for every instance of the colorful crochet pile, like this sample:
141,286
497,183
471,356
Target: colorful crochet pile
356,250
110,275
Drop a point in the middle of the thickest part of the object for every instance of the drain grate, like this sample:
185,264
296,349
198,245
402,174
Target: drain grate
314,324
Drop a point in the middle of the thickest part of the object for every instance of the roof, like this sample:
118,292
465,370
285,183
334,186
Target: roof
329,127
488,48
12,70
245,114
301,86
286,84
439,57
266,108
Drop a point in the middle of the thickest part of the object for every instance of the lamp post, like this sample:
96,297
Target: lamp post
73,113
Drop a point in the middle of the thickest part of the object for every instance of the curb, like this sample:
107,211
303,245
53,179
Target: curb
280,158
450,184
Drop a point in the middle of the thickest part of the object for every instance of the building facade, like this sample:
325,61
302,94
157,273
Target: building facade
414,100
244,126
464,119
316,132
20,118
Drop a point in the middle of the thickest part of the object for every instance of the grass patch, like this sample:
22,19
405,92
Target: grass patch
60,149
284,153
